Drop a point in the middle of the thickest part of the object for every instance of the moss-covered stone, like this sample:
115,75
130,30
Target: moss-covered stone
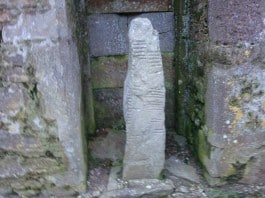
108,72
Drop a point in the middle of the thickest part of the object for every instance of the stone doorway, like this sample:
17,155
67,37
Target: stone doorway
109,49
108,44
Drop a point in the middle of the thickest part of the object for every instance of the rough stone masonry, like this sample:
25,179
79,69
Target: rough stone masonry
144,103
41,151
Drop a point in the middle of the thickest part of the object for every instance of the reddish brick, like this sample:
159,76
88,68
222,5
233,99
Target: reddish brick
235,21
121,6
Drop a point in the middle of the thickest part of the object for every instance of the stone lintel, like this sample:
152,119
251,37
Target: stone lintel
128,6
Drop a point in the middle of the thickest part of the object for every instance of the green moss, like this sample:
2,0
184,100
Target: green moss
91,123
238,174
118,125
234,101
162,175
101,110
4,154
203,150
102,59
108,71
254,121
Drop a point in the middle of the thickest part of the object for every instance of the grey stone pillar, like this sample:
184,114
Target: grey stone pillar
144,103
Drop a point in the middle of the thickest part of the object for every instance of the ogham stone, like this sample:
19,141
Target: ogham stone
144,104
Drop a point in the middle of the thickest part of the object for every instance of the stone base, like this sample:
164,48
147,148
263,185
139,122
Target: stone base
136,188
118,188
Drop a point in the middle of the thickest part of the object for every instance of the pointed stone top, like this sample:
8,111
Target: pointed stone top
140,27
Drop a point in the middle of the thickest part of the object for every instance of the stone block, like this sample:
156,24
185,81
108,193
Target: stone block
10,10
18,144
15,166
55,67
108,32
235,21
108,72
128,6
235,94
40,119
235,120
108,108
31,6
11,100
108,145
28,27
182,170
142,188
144,104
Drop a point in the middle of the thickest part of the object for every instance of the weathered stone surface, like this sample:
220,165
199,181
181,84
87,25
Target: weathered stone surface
234,21
11,101
10,10
108,74
18,144
113,183
62,103
144,104
29,28
236,123
121,6
117,188
231,144
163,22
143,188
179,169
108,108
110,71
170,79
15,166
108,145
108,32
40,96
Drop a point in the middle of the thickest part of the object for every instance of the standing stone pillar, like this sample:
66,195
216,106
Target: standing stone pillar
144,103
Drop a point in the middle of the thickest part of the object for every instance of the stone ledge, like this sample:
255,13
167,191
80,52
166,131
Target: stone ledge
121,6
108,32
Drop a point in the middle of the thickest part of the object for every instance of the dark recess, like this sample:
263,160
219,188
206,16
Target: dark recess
1,37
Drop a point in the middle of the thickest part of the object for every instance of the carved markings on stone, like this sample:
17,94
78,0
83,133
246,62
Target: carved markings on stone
144,104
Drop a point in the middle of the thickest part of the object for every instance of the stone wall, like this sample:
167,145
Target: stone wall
128,6
51,92
235,93
221,84
40,99
191,62
108,43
